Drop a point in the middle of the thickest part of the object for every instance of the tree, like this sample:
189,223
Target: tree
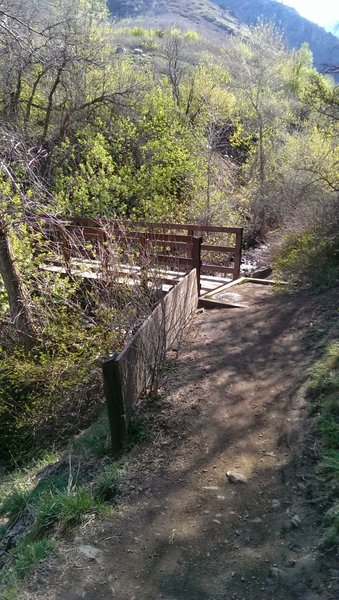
15,199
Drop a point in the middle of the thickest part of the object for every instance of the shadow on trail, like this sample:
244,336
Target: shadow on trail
234,404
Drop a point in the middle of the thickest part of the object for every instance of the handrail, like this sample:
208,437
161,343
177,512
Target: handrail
94,229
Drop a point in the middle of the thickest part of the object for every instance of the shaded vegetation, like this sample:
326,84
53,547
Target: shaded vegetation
324,392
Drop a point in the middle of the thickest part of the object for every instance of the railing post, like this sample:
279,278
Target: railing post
115,403
190,233
196,256
144,261
237,256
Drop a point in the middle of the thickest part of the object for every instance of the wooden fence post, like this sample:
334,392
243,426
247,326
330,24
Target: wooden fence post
196,256
237,255
144,261
115,403
190,233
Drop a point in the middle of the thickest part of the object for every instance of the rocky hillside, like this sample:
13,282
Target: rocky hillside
215,17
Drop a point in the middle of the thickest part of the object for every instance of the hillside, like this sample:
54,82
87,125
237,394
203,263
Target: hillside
215,17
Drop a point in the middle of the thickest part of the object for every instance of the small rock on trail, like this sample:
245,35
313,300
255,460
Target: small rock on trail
234,477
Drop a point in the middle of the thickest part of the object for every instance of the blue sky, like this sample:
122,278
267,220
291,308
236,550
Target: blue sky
323,12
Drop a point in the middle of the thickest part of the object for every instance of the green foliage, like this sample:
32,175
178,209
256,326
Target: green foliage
65,508
324,392
15,503
310,260
192,36
90,183
23,559
49,505
35,397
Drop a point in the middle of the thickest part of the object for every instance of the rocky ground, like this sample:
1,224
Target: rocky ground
188,527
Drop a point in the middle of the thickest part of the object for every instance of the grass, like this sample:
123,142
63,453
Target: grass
324,393
138,432
53,495
105,487
24,558
95,441
52,511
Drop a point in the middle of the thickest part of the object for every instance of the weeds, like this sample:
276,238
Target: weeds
324,391
95,441
25,557
105,488
49,506
138,432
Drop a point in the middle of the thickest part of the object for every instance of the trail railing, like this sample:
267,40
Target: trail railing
183,247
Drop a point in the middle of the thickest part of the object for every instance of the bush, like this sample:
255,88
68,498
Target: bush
310,260
44,399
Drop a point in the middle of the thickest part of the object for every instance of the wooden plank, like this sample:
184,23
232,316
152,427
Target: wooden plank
169,244
179,260
210,303
196,257
127,375
223,287
169,237
193,227
218,248
95,231
265,281
216,268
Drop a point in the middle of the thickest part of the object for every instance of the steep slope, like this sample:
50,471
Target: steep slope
217,17
202,13
297,30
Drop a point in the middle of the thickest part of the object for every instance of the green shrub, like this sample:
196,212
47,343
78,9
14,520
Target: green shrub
310,260
44,399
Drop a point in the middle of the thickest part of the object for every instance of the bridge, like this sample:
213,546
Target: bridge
82,246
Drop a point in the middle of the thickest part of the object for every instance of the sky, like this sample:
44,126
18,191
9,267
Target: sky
323,12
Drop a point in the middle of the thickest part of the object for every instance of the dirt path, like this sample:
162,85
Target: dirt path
234,402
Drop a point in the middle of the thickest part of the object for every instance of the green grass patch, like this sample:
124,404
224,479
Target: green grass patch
22,560
324,393
25,557
105,487
139,431
48,503
95,441
63,508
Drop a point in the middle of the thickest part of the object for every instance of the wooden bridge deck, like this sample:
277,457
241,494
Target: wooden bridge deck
131,274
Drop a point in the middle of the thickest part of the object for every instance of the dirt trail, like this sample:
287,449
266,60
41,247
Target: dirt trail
234,402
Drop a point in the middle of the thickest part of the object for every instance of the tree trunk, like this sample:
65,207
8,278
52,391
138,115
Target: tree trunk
18,304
